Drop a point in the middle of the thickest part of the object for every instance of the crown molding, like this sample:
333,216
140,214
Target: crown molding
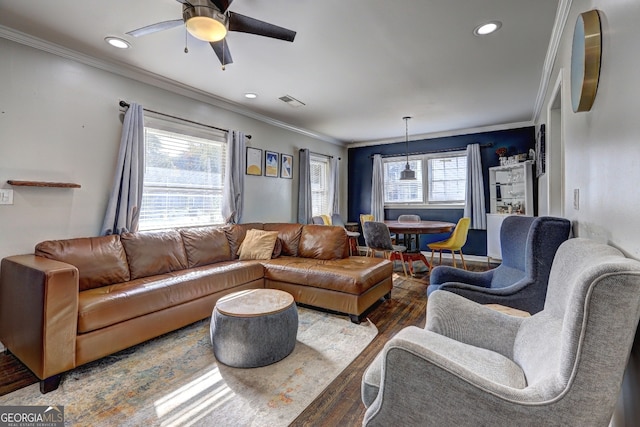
444,134
564,7
156,80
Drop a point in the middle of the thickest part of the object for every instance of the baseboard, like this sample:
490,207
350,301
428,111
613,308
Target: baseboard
475,258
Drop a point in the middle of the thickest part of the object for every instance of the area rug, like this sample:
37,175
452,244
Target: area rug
174,380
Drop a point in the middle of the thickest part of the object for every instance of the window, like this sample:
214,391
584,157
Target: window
397,191
184,170
440,179
319,185
447,179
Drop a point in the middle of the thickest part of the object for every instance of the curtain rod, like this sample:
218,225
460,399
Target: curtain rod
320,154
125,104
444,150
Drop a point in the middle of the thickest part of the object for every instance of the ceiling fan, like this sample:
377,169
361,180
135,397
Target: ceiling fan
209,20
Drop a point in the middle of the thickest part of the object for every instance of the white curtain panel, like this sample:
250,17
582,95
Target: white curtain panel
233,188
123,208
334,186
377,189
304,187
474,204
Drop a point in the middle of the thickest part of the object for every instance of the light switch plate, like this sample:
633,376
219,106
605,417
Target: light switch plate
6,196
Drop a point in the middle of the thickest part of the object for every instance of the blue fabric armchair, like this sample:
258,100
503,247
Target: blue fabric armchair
529,245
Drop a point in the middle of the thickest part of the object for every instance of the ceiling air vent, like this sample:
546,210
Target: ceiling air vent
291,101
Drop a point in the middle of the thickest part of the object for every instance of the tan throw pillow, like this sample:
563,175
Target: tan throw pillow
258,244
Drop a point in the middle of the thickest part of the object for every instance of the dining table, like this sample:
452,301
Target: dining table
418,228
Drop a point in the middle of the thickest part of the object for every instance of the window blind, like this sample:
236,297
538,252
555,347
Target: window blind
184,175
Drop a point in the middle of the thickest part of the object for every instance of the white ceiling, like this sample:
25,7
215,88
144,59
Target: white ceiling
358,65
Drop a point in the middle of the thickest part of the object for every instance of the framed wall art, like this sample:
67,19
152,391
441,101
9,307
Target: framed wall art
286,166
271,164
254,161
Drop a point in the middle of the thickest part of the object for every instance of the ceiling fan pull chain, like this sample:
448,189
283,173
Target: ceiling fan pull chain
186,39
223,49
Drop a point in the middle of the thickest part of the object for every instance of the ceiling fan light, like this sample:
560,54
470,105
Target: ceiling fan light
206,28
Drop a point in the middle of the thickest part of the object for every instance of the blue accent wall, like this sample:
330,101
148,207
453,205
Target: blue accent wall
516,141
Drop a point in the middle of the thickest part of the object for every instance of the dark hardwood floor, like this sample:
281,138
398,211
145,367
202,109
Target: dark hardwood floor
13,374
339,404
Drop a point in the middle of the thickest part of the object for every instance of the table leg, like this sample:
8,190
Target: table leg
416,256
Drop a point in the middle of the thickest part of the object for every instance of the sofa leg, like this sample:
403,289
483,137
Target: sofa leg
355,319
387,296
50,384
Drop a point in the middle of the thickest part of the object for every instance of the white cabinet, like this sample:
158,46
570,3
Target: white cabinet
510,193
511,189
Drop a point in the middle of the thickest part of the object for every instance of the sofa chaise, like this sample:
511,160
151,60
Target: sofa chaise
77,300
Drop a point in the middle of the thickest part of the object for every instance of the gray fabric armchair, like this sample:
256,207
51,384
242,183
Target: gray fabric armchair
528,247
473,366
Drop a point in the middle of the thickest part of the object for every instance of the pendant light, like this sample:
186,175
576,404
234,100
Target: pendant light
407,173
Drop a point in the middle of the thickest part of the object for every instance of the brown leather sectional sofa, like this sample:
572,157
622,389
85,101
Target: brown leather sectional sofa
77,300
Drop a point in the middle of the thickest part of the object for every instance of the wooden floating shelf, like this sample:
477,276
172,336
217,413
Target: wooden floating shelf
43,184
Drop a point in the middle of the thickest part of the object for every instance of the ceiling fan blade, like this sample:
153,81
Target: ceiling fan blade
221,48
154,28
223,5
245,24
185,2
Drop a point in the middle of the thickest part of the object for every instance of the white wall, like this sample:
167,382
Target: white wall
60,121
602,149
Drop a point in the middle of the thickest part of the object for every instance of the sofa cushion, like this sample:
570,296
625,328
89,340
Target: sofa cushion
151,253
351,275
108,305
235,235
205,245
290,235
323,242
100,260
258,244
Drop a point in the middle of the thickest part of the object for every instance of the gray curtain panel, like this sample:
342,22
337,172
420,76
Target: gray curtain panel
234,178
304,187
334,186
123,208
377,189
474,207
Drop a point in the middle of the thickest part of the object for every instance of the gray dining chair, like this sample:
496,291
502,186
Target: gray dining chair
336,219
378,240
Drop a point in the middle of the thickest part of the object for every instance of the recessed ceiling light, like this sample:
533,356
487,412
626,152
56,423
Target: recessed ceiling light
250,95
487,28
117,42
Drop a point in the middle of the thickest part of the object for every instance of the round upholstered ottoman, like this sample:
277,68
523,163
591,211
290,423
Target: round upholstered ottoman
254,328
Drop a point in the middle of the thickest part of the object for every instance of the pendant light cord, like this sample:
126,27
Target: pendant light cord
406,135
